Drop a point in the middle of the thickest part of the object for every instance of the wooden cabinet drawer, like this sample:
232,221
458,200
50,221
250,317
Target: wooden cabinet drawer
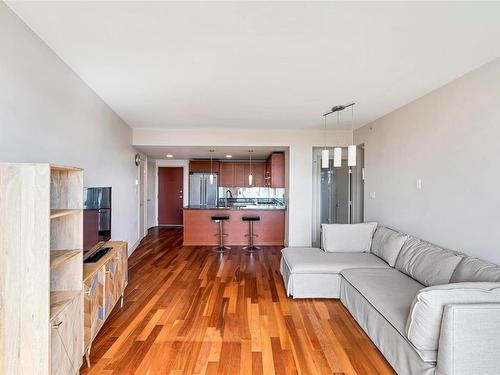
66,339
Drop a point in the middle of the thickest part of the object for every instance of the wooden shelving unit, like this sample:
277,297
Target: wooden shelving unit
66,269
60,257
41,304
60,300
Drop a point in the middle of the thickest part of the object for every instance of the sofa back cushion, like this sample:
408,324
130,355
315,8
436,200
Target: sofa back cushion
342,238
387,244
424,322
427,263
474,269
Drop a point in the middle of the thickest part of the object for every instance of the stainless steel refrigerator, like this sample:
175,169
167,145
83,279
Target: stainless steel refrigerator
201,191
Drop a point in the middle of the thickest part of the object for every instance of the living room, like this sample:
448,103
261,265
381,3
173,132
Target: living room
249,187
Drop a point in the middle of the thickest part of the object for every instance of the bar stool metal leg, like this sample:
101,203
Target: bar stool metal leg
251,248
221,248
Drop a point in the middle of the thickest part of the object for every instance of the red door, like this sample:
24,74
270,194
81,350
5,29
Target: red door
170,181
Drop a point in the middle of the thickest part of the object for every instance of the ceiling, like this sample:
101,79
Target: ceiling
197,152
263,64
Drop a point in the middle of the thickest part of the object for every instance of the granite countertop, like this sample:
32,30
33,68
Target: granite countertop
264,207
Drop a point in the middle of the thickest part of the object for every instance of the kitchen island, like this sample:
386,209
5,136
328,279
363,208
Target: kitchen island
200,230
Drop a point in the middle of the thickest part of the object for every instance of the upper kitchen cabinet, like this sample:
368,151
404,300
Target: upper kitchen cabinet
258,172
226,174
235,174
275,170
203,166
240,174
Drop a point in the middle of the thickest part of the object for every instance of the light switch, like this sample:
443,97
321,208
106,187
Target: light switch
372,195
419,184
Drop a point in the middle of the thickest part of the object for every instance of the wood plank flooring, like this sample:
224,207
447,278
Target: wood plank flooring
189,310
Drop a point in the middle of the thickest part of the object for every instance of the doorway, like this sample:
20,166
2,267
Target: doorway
338,192
142,182
170,196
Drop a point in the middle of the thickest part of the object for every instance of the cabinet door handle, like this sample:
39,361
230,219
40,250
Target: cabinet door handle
88,292
57,325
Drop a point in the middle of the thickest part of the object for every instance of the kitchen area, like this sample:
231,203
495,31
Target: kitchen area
243,190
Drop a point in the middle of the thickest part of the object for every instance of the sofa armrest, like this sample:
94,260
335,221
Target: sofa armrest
470,340
424,322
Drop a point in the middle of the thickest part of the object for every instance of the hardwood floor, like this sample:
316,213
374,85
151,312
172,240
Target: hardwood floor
189,310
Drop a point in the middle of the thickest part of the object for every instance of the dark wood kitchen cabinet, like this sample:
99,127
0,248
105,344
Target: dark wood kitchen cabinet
226,174
240,175
203,166
275,170
258,172
235,174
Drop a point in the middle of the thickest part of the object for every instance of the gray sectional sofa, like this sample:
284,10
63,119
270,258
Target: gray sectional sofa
429,310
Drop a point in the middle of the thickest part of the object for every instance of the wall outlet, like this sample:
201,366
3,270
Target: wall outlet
419,184
372,195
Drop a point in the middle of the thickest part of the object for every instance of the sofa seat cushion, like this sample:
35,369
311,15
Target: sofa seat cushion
427,263
474,269
313,260
391,292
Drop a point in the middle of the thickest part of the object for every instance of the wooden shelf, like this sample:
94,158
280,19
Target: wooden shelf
63,212
59,300
58,257
55,167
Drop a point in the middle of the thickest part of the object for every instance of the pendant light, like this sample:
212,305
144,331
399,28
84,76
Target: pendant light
211,177
337,151
250,176
325,155
337,157
351,149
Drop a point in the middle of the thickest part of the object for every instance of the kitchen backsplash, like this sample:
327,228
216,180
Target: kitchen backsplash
253,192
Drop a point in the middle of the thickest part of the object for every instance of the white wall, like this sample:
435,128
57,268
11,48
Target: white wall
450,139
298,158
47,114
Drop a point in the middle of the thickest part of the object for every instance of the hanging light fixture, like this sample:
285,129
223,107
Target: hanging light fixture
337,151
325,155
211,177
337,157
250,176
352,149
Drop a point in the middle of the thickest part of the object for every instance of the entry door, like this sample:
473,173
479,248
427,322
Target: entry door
170,181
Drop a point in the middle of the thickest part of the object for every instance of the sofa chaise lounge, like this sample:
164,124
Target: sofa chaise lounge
429,310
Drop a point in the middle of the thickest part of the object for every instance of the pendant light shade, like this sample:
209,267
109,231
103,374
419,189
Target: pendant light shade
337,157
250,176
211,177
325,156
351,149
351,155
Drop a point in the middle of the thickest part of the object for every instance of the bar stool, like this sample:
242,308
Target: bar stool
220,219
251,248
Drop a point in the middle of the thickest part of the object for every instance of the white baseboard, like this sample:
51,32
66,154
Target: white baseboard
132,248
